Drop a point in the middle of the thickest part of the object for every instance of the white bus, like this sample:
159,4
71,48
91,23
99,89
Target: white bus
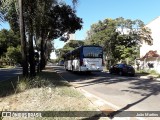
84,58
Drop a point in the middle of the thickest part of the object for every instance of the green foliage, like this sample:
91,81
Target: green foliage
120,38
22,85
3,41
143,72
44,20
14,54
7,39
10,46
55,19
49,20
71,45
153,72
12,18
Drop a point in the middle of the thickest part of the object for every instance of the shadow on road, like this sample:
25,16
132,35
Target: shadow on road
136,84
142,87
95,117
113,114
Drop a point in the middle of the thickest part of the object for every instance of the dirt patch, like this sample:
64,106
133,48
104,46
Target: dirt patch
54,94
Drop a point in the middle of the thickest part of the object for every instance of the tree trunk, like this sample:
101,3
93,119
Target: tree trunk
31,55
42,61
31,49
23,40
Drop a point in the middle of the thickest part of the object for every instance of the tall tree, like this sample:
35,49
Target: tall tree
23,39
8,10
47,21
14,54
8,38
30,12
12,17
58,20
71,45
119,37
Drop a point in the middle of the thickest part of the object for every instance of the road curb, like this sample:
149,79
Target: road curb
81,91
99,103
102,105
9,68
150,77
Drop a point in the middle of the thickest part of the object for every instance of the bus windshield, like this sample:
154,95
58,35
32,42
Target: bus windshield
92,52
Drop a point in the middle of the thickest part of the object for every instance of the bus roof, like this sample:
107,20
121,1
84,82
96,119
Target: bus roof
90,46
82,47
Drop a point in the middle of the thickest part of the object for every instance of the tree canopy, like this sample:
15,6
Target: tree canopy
7,39
43,21
120,38
71,45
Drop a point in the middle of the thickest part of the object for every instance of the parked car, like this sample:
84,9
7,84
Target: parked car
122,69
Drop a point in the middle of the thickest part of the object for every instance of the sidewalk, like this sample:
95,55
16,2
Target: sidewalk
7,68
105,107
151,77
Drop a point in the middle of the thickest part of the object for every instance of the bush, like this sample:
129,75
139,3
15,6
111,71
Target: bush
153,72
142,71
22,85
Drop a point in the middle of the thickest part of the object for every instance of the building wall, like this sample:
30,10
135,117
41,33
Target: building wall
154,61
154,26
71,37
155,29
144,49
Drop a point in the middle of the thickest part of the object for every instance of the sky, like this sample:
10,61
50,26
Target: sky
91,11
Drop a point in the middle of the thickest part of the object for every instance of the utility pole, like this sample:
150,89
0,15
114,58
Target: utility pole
23,40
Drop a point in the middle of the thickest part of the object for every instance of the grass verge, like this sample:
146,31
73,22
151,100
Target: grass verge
6,66
47,92
148,73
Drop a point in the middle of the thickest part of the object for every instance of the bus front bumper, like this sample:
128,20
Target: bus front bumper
98,69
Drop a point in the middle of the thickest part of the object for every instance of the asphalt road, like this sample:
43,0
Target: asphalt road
126,93
6,74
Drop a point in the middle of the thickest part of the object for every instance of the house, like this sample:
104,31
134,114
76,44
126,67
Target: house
150,54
